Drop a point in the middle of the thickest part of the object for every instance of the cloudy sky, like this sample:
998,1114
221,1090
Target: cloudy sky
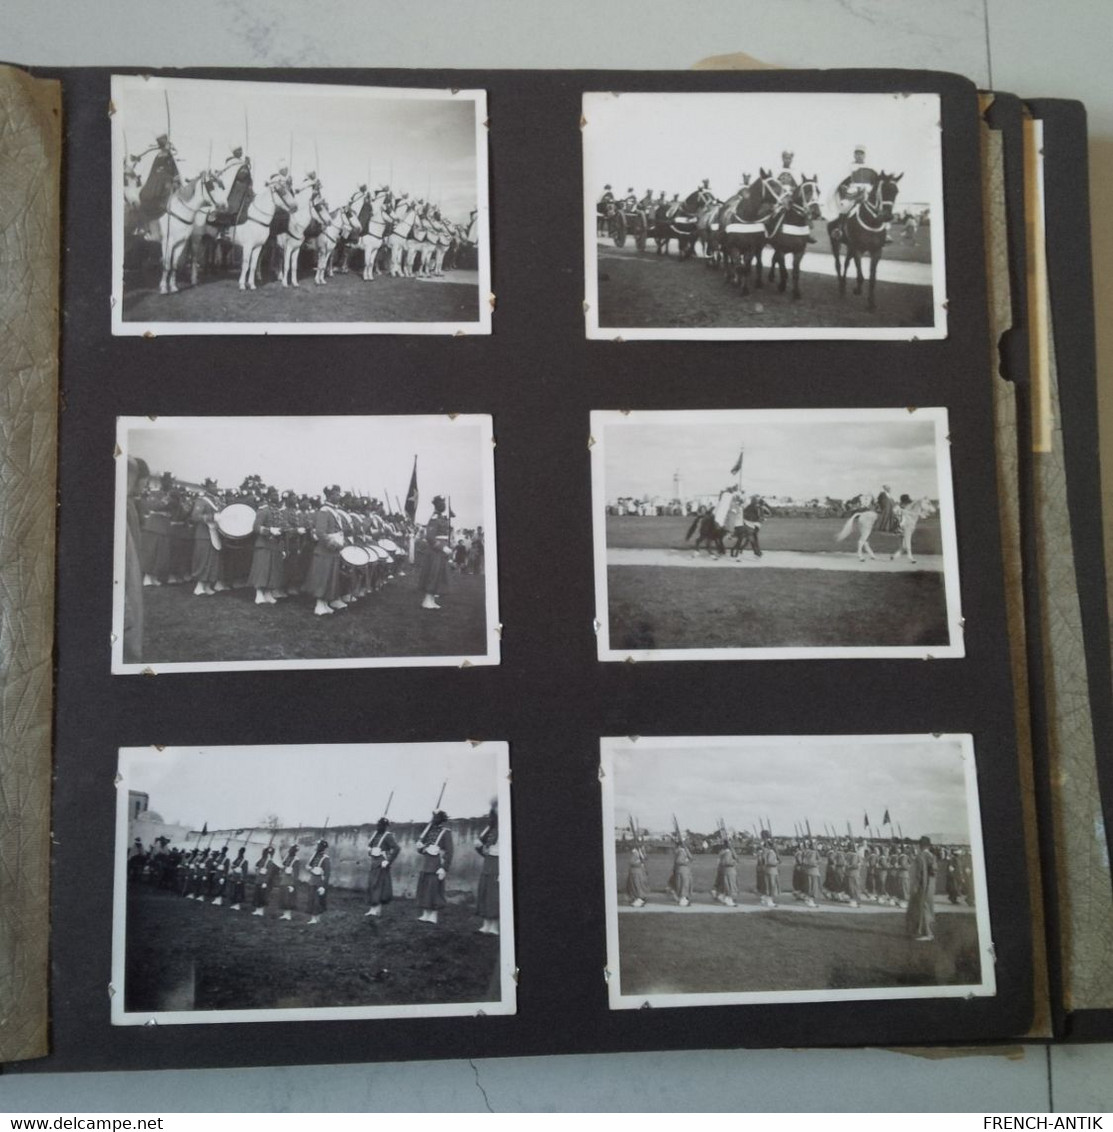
371,455
309,785
802,455
674,141
420,142
823,779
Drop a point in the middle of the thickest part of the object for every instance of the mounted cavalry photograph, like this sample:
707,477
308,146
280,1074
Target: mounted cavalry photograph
774,534
284,208
248,543
318,882
815,868
763,215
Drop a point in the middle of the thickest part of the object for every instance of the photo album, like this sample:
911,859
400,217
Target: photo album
492,552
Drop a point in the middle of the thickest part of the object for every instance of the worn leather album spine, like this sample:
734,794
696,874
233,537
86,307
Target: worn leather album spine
30,171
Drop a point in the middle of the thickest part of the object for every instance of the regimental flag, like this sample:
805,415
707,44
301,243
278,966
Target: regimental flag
738,463
412,495
865,821
886,820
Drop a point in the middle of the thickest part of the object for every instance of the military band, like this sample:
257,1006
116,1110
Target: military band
336,548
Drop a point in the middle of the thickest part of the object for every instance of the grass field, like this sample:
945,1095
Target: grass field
779,951
645,290
634,531
184,955
230,626
661,607
344,298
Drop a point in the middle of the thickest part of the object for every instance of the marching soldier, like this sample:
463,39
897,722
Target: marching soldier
234,882
681,880
317,875
436,849
768,871
487,893
291,867
637,879
266,872
726,876
382,850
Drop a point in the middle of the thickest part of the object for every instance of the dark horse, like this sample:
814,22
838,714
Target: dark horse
788,227
742,234
745,534
862,229
672,222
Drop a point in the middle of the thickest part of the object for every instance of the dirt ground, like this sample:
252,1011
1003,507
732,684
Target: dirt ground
646,290
230,626
186,955
344,298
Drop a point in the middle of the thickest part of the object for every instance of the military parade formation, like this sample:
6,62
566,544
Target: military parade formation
336,548
220,218
850,872
294,884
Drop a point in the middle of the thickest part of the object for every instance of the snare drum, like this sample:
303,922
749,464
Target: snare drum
237,520
355,556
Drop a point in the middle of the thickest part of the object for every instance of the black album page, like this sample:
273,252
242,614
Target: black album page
483,611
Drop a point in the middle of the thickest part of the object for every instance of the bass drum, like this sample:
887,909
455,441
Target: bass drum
237,520
355,556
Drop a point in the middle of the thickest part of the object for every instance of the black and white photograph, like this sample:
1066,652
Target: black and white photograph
286,208
762,215
774,534
278,883
247,543
753,869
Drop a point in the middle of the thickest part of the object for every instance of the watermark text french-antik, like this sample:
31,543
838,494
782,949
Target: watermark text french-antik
1042,1123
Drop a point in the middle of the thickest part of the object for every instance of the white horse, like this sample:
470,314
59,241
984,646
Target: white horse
339,226
399,238
907,518
175,225
376,231
254,232
441,239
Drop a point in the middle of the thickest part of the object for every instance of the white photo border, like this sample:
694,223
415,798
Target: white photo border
609,746
602,420
507,1004
143,329
485,453
592,181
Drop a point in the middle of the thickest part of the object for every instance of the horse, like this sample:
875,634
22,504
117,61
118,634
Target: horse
672,222
375,228
442,239
862,229
175,225
707,232
787,229
908,516
340,224
255,230
742,235
709,532
399,239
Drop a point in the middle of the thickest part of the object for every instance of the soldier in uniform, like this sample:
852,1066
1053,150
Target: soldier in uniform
316,877
206,566
789,183
291,867
266,872
920,917
433,574
726,875
853,189
680,882
382,850
888,518
436,849
852,864
813,889
234,883
240,194
487,892
324,578
266,573
161,180
637,880
768,871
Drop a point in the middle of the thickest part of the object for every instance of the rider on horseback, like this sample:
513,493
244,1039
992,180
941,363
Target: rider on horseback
161,180
854,188
239,195
788,183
